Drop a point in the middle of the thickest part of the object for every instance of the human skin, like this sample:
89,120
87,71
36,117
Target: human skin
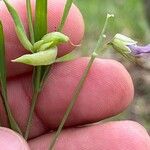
107,91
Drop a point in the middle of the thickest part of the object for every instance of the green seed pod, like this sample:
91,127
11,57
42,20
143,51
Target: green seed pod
40,58
45,46
37,45
56,38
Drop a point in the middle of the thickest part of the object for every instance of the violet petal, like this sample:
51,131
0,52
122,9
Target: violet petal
137,50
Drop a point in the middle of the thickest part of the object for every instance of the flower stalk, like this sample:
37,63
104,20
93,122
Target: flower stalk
79,87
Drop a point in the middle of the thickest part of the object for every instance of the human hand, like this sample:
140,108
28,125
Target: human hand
107,91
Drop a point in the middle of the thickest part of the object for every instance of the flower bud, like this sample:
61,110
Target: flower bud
40,58
126,45
121,43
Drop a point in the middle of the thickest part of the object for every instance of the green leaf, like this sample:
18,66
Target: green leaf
40,24
3,81
2,63
19,27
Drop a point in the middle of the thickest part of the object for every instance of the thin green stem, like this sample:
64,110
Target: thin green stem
29,13
34,99
80,85
40,29
75,96
65,14
44,75
102,35
36,91
12,121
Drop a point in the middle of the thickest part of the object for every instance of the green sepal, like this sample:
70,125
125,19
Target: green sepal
121,42
120,46
126,40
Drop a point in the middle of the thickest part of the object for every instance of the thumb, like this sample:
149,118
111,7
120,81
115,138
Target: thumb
10,140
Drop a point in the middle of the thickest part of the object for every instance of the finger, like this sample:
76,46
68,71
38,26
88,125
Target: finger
74,28
10,140
107,91
123,135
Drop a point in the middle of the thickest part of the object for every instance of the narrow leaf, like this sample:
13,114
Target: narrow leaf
19,26
65,14
2,63
40,24
13,124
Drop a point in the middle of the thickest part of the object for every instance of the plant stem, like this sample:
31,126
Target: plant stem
75,96
34,99
80,84
12,123
40,29
65,14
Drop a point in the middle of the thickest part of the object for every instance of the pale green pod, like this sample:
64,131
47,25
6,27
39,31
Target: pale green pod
56,38
40,58
37,45
45,46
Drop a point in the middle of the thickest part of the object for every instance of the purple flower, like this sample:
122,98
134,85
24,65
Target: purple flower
127,46
139,50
